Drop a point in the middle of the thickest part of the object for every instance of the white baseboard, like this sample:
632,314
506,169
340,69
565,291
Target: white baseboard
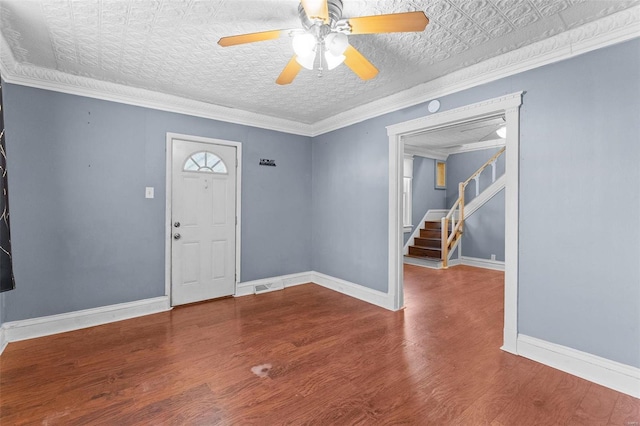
454,262
246,288
497,265
3,340
357,291
365,294
425,263
620,377
14,331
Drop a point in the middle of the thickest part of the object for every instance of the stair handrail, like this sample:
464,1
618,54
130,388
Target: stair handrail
449,240
485,165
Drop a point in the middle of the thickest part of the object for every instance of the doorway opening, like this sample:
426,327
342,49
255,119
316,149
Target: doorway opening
508,107
455,174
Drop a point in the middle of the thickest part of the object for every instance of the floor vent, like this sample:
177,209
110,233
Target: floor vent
265,288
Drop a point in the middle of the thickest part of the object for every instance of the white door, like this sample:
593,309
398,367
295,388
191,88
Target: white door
203,221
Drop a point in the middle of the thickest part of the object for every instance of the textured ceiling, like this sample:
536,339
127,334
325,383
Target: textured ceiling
458,135
169,46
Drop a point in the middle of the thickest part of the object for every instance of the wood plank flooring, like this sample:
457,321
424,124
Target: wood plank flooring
327,359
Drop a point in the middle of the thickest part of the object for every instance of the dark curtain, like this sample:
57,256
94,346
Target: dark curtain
6,269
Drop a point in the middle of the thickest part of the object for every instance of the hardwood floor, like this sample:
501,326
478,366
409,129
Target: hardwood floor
326,359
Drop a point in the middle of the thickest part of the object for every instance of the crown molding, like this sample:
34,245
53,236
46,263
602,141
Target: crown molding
612,29
48,79
427,152
476,146
616,28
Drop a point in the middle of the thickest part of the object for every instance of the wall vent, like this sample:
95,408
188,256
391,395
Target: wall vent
265,288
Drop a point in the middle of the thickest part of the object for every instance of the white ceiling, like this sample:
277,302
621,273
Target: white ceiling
469,136
170,46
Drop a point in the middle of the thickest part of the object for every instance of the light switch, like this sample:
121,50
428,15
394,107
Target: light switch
148,192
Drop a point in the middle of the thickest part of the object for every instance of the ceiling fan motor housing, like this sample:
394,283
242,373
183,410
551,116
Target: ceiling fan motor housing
335,14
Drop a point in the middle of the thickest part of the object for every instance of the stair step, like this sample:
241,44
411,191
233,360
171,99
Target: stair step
425,252
433,225
427,242
430,233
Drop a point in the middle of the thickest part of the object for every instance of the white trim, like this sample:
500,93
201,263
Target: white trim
357,291
512,224
482,198
3,340
610,30
61,323
490,108
443,153
168,192
496,265
290,280
476,146
396,237
620,377
425,263
509,106
347,288
427,152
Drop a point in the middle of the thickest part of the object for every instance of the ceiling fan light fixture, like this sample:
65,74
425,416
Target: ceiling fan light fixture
304,45
308,61
333,60
336,43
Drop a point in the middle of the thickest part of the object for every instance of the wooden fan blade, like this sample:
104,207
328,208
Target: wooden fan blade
359,64
392,23
250,38
316,9
289,72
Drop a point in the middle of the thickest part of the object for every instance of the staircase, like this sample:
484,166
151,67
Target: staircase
429,244
435,242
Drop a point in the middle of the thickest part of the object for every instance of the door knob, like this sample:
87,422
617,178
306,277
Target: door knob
176,236
176,224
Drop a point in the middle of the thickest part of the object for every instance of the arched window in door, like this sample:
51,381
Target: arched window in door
205,162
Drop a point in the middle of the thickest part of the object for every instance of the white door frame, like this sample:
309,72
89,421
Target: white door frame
509,106
168,192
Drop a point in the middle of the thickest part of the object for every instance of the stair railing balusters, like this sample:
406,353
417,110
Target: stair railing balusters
444,231
493,171
450,239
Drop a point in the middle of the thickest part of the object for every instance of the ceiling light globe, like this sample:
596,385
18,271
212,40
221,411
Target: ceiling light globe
304,44
333,60
502,132
336,43
308,61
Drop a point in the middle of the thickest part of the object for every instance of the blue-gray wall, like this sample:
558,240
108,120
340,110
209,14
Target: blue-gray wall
578,168
83,235
424,195
484,230
349,218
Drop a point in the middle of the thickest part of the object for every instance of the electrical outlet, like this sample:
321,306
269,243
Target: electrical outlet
148,192
493,257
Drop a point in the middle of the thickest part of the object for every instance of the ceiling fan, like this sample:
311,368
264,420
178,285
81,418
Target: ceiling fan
324,39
